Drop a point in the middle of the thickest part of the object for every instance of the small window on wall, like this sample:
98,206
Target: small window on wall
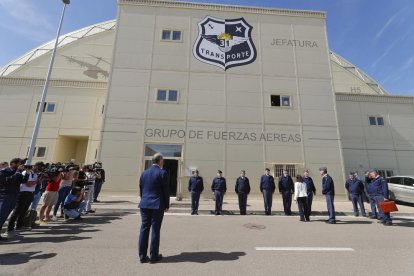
376,121
281,101
164,95
47,107
171,35
38,152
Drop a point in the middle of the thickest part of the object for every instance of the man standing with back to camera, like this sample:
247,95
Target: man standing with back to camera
155,200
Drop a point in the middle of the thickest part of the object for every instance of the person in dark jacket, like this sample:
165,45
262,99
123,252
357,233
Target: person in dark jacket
242,189
195,188
267,187
286,189
379,191
370,193
311,191
355,188
328,189
219,188
10,180
155,200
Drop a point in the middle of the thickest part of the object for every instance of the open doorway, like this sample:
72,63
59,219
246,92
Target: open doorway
71,147
171,167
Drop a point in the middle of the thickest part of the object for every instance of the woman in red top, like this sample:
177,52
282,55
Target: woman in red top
50,197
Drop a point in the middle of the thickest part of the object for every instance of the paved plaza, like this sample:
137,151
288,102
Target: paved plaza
106,243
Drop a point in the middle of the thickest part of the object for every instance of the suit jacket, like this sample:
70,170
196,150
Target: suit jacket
154,189
328,186
286,184
267,183
242,185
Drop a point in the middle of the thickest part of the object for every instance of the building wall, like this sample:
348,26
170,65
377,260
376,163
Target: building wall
212,100
389,147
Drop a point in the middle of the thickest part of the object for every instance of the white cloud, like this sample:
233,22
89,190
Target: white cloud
24,18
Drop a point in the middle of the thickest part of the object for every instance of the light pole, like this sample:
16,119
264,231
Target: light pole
42,101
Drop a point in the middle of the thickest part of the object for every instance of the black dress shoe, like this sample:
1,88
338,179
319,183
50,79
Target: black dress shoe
145,260
155,260
3,239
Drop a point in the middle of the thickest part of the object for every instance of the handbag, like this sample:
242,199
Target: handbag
388,206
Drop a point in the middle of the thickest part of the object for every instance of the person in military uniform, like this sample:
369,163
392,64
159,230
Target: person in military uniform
267,187
355,188
219,188
311,191
370,193
328,189
379,191
286,189
242,189
195,187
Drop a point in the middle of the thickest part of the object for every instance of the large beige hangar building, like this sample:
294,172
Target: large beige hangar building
211,87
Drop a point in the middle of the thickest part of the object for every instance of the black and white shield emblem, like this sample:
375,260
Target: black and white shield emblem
224,43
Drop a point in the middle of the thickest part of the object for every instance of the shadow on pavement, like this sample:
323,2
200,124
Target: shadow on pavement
403,222
61,232
345,221
202,257
23,257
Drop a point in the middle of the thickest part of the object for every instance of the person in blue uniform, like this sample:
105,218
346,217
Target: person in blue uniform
311,191
155,200
219,188
195,187
380,193
370,192
267,187
286,189
355,188
328,189
242,189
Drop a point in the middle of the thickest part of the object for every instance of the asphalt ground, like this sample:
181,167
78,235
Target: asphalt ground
105,243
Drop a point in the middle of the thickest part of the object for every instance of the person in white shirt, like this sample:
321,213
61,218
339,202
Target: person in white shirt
24,199
300,198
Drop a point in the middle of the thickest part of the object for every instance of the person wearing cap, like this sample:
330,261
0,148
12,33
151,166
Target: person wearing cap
195,188
242,189
379,191
311,191
370,193
328,189
267,187
355,188
10,180
219,188
286,189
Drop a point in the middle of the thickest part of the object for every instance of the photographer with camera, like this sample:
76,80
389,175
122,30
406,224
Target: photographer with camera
89,187
51,195
100,180
64,190
10,180
73,206
24,198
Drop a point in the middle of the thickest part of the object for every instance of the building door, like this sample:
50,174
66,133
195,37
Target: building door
171,166
172,159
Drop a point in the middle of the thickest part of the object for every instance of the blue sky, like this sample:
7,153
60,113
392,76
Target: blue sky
375,35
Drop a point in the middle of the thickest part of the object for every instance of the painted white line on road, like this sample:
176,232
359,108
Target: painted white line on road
303,249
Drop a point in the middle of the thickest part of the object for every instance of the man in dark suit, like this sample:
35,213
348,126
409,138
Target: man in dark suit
286,189
328,189
242,190
195,187
267,187
219,188
311,190
155,199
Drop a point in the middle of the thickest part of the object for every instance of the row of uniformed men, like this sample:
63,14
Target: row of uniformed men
376,186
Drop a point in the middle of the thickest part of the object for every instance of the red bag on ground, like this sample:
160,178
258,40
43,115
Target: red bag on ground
388,206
